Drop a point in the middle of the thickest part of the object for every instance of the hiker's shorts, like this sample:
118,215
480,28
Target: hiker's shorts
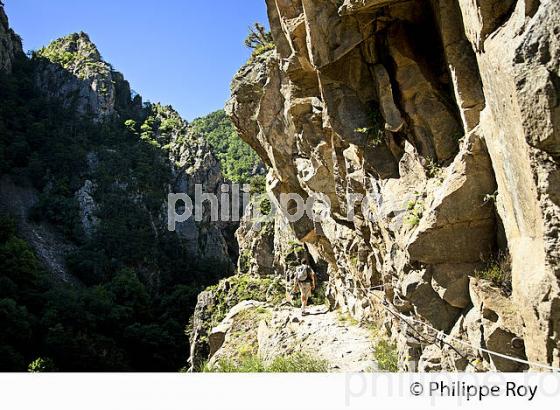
305,289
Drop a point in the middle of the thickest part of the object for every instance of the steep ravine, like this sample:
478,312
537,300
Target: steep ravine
91,277
445,115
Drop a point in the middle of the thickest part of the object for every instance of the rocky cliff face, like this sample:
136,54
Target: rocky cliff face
10,43
72,72
444,115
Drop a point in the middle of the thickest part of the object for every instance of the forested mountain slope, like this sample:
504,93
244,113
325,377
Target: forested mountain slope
91,277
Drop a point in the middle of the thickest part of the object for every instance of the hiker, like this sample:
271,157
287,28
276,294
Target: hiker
305,281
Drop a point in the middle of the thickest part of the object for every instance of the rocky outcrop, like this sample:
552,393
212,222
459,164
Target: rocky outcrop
215,308
88,207
255,328
444,116
194,163
10,43
267,245
256,241
72,71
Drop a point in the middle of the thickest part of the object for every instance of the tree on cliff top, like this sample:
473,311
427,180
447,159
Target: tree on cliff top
258,37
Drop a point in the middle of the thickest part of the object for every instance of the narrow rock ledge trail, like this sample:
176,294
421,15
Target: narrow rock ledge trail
282,331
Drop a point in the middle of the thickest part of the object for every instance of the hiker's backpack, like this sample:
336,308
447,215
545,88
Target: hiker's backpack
301,273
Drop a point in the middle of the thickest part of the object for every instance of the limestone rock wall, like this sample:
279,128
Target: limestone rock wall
444,115
195,164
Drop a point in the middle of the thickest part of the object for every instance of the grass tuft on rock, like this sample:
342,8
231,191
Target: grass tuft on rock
385,354
295,363
497,271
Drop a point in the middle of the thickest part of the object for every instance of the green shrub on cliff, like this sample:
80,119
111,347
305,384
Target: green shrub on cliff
41,365
263,49
497,271
259,40
385,354
258,37
235,289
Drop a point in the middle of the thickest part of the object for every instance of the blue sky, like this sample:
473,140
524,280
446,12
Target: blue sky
178,52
